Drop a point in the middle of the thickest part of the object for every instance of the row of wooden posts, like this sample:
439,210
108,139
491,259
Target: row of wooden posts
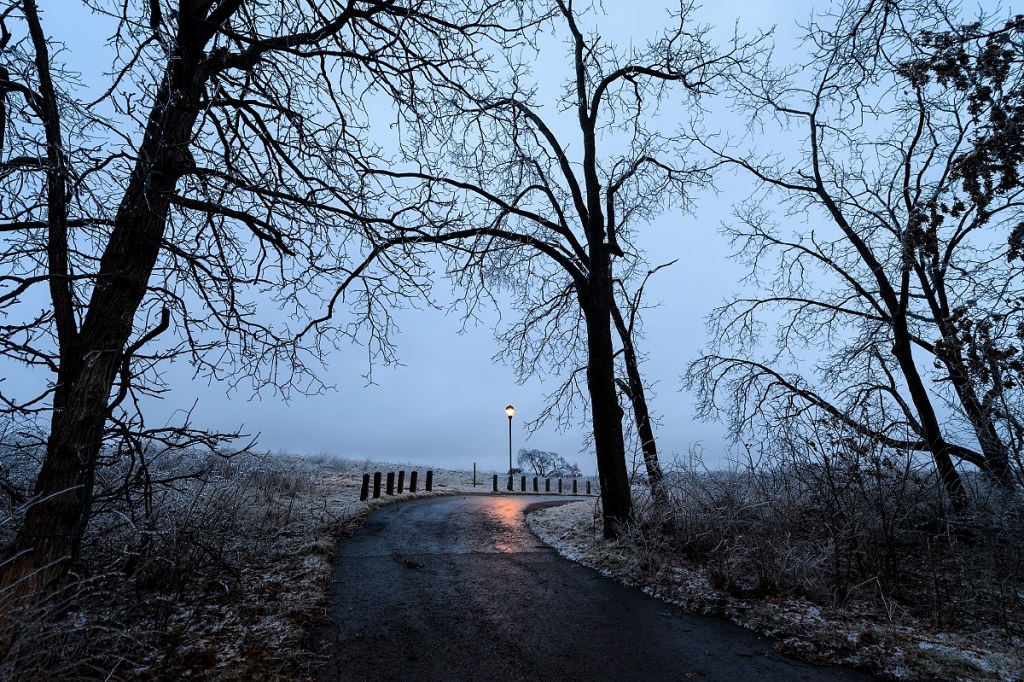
389,489
547,485
364,492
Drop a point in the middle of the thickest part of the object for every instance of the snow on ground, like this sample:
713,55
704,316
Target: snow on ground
897,651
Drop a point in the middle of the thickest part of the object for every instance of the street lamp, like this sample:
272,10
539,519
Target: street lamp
510,412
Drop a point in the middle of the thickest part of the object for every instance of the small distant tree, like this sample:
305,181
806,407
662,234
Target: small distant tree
546,464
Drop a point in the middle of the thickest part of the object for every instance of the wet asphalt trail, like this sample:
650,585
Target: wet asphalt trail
457,588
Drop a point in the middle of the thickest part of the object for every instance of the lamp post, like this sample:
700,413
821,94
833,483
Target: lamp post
510,412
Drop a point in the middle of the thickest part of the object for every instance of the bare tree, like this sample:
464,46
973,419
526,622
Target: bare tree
633,385
902,287
215,170
545,463
546,208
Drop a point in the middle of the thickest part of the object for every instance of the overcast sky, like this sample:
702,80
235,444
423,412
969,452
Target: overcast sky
445,404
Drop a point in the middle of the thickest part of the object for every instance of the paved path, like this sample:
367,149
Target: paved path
457,588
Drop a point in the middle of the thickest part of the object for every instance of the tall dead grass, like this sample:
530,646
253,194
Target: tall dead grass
845,524
178,576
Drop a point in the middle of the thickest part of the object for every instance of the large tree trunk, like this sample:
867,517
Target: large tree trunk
606,414
49,538
926,413
51,533
994,450
896,302
995,453
641,414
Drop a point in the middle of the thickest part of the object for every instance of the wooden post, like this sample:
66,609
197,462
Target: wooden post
573,486
364,492
588,487
559,486
401,482
534,484
412,481
474,474
547,485
391,483
376,484
495,482
509,487
522,484
430,481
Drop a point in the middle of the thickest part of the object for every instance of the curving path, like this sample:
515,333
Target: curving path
457,588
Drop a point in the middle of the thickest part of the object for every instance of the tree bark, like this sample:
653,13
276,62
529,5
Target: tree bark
996,456
606,414
49,538
932,432
994,450
896,301
641,413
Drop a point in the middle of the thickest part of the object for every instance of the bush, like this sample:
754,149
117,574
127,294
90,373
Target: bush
172,559
845,526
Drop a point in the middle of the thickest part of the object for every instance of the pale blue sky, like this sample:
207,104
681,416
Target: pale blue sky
445,403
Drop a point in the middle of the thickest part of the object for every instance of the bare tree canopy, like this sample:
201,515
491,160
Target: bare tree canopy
217,169
543,199
894,262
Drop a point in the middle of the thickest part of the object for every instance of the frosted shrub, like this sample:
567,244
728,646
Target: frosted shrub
168,548
843,523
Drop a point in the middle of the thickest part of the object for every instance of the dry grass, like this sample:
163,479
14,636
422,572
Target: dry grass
221,573
218,574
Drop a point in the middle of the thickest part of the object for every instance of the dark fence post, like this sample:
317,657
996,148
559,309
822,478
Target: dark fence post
495,482
364,492
559,486
573,487
391,483
510,482
534,484
430,481
474,474
588,487
412,481
401,482
522,484
547,485
376,484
